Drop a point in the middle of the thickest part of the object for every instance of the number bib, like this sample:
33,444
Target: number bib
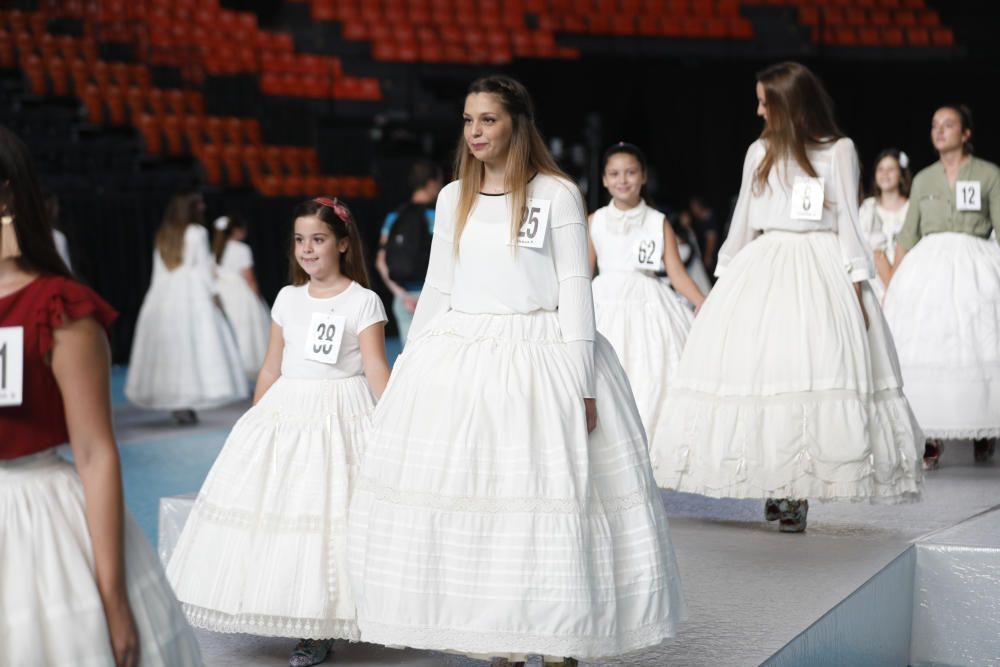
11,366
647,255
326,333
967,195
807,198
536,223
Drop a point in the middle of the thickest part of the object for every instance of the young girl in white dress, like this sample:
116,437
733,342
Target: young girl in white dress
264,551
883,213
184,355
639,314
943,303
788,387
505,504
238,291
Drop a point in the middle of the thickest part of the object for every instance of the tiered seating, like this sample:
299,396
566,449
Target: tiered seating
884,23
171,122
200,39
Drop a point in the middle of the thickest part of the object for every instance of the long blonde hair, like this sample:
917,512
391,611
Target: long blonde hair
182,210
799,112
527,155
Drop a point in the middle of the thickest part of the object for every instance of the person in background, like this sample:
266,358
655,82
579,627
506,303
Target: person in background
405,243
707,230
62,245
883,213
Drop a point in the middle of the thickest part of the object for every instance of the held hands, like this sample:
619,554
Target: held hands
590,407
121,628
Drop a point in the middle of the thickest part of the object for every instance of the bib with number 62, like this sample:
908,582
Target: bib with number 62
536,223
807,198
326,333
968,195
11,366
647,255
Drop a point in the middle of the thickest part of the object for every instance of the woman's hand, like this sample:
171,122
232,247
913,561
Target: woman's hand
590,407
121,628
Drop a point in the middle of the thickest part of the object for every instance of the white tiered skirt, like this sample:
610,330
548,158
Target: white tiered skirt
781,392
486,520
943,307
184,354
264,550
50,609
647,325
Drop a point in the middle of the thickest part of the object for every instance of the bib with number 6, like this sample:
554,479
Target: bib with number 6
807,198
647,254
326,333
968,195
11,366
536,223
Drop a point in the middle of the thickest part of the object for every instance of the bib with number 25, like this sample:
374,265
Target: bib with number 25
326,333
11,366
647,255
968,195
536,223
807,198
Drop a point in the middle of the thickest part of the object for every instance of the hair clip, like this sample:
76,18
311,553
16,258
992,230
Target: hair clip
904,160
338,207
221,223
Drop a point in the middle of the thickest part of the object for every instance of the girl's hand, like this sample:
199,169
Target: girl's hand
590,407
121,628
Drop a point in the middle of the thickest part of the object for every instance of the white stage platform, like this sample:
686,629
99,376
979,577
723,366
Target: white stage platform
841,594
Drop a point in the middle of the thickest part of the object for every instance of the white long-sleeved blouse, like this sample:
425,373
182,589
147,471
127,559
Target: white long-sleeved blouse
837,164
490,276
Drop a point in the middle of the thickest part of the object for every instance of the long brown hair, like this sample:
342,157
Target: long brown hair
799,112
223,231
335,214
526,156
183,209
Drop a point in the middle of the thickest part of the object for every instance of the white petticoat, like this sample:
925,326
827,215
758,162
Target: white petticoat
943,307
50,610
782,393
249,318
183,352
647,326
487,521
263,551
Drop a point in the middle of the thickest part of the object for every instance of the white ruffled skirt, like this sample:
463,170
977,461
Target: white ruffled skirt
647,325
781,392
943,307
184,354
486,520
264,549
50,610
249,317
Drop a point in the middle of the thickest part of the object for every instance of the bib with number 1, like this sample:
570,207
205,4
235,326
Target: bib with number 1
11,366
536,223
807,198
326,333
968,195
647,255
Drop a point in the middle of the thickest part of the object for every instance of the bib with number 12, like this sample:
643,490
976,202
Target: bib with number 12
326,333
968,195
807,198
536,223
11,366
647,255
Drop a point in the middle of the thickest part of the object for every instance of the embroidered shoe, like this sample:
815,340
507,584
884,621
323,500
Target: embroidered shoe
984,449
771,510
932,454
793,515
310,652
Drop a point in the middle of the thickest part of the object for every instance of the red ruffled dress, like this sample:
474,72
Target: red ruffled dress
50,609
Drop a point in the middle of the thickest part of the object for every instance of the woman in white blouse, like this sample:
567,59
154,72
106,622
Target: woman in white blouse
505,506
883,213
788,387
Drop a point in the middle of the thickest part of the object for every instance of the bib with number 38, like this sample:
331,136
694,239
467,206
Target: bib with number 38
326,333
11,366
536,223
647,254
968,195
807,198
